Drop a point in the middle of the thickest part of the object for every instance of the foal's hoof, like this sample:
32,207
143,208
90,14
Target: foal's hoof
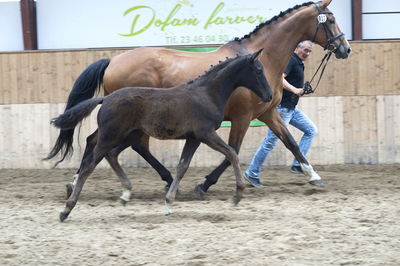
317,183
70,188
63,216
198,189
236,199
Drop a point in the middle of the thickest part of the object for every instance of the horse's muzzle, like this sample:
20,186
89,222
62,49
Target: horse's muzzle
343,52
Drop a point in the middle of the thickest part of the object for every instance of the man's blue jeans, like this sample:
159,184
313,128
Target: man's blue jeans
294,117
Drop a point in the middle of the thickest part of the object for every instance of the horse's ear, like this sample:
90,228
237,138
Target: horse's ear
325,3
256,54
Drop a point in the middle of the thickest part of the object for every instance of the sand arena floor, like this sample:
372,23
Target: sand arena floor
355,220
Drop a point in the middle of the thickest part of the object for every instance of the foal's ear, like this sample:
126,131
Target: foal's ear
256,54
325,3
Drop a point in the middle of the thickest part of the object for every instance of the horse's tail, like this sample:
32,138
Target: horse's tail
70,118
88,82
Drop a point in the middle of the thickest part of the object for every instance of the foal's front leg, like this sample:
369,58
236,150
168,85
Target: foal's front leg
189,149
216,143
240,125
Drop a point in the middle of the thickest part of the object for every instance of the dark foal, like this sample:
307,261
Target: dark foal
192,111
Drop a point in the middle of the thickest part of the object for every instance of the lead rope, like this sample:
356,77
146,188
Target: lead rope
307,85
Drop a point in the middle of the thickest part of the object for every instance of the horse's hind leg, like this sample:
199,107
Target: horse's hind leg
238,131
189,149
276,124
142,148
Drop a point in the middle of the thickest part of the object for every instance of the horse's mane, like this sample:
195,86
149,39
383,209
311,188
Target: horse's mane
237,39
218,67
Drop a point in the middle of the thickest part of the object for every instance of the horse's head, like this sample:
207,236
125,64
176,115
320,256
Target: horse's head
256,80
327,33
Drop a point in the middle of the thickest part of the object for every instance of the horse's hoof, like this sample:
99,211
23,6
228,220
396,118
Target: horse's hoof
70,188
317,183
236,199
199,191
63,216
168,207
123,201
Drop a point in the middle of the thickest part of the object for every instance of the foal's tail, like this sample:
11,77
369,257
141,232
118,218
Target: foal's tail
88,82
70,118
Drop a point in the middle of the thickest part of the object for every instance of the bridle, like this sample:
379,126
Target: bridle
321,20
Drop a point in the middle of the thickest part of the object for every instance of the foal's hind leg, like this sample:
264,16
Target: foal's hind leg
91,141
216,143
112,158
189,149
276,124
89,162
238,130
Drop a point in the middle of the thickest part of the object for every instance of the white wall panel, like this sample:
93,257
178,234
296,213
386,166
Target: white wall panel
381,26
10,27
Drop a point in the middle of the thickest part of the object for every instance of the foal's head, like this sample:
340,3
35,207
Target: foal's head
252,76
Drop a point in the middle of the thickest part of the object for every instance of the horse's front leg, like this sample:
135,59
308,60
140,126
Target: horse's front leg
276,124
216,143
142,148
189,149
239,127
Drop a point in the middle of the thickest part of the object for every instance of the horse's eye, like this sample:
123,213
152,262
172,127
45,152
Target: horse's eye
332,21
259,68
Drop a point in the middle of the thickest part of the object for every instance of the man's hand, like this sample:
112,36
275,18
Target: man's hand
307,88
297,91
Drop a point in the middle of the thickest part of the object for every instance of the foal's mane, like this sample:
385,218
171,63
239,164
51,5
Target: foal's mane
221,65
237,39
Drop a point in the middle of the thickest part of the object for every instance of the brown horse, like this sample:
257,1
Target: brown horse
192,111
159,67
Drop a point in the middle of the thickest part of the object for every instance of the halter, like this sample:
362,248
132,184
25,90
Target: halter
321,20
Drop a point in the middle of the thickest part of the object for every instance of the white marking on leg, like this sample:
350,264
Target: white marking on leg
126,195
309,171
168,208
76,176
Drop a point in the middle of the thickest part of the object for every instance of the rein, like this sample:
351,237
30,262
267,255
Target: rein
307,85
321,20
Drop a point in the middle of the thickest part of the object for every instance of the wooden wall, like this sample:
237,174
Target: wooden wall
356,108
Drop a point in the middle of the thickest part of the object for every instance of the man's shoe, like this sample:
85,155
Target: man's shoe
296,169
255,182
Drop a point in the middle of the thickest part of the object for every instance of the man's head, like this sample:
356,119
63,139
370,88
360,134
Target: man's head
304,49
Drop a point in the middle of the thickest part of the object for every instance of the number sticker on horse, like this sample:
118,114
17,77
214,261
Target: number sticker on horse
321,18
